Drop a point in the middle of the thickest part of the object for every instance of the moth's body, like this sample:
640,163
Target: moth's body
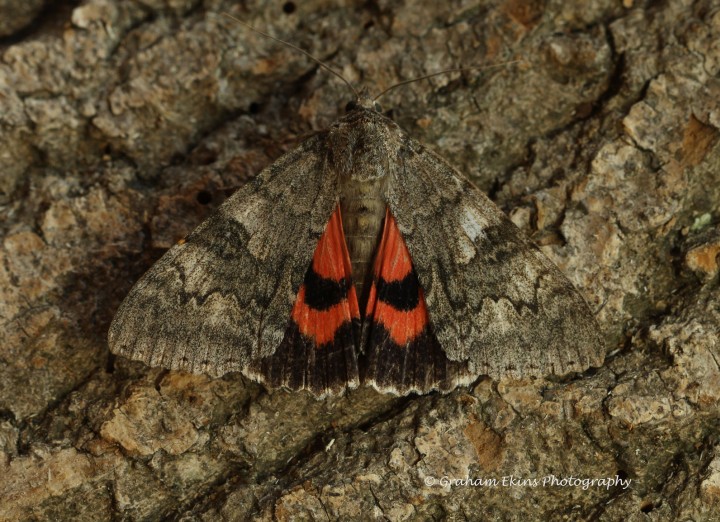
361,142
359,257
363,209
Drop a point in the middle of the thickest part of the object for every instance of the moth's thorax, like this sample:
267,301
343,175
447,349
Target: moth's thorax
363,146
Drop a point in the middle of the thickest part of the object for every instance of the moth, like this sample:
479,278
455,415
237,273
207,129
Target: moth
360,257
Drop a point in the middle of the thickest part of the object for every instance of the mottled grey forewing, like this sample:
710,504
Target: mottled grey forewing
494,299
221,301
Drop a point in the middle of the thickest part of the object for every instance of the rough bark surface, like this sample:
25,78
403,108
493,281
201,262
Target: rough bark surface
122,124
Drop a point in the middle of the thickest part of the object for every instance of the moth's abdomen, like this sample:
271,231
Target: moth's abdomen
363,209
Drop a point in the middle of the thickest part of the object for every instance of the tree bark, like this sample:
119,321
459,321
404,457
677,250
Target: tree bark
594,126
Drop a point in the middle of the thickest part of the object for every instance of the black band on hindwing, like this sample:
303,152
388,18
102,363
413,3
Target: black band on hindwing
322,293
402,295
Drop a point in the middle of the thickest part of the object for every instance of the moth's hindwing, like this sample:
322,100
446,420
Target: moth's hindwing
494,299
221,301
402,353
318,351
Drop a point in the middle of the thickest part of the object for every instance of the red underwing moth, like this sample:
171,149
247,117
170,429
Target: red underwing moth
361,257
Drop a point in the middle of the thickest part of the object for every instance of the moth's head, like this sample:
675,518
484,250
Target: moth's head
363,103
361,143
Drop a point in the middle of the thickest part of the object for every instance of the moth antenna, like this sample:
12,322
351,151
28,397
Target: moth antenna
296,48
446,71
